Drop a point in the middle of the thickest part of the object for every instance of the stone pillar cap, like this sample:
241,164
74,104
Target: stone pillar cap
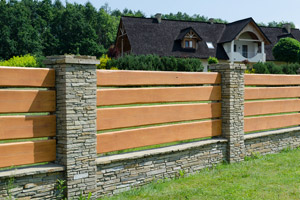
71,59
227,66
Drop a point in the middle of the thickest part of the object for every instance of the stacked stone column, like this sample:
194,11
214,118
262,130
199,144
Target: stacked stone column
232,92
76,87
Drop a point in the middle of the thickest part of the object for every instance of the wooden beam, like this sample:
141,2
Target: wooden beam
157,95
110,118
119,140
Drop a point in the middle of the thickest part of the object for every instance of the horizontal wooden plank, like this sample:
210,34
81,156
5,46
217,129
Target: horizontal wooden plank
268,107
270,122
119,140
19,127
13,154
271,79
127,78
269,92
110,118
31,77
18,101
157,95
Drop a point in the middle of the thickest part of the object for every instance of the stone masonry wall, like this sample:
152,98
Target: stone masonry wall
115,176
272,142
30,184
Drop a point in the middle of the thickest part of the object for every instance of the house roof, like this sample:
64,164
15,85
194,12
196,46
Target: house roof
233,29
147,36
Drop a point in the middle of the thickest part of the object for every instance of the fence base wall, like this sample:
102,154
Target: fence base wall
270,142
31,182
122,172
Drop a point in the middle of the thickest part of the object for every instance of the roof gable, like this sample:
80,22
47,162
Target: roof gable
235,29
185,31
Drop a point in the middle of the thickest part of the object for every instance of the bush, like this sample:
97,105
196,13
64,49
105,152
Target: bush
22,61
272,68
155,63
212,60
103,61
287,49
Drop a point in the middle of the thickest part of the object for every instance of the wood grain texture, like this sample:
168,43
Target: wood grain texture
128,78
18,101
271,79
157,95
31,77
20,127
110,118
270,122
13,154
269,92
268,107
119,140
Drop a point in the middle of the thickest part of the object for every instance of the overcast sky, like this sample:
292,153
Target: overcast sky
230,10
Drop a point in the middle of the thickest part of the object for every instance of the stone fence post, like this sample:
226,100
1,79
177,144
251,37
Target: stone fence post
232,92
76,85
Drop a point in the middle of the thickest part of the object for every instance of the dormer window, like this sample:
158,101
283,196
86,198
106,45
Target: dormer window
188,38
210,45
189,44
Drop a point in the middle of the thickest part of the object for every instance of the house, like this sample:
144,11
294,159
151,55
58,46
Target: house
234,42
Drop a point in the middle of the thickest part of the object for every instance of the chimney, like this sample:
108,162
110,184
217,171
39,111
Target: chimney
158,17
287,27
211,20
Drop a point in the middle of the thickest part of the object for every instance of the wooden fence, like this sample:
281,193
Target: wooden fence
271,95
271,101
174,87
24,91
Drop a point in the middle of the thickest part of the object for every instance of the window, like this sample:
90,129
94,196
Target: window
210,45
245,51
188,44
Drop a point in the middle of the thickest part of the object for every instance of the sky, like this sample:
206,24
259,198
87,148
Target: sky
230,10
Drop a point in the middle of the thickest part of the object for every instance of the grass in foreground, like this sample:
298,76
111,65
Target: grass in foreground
269,177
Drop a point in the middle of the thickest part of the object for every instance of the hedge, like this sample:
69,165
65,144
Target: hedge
155,63
272,68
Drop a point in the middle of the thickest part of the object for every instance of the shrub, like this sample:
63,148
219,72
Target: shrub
155,63
21,61
103,61
212,60
287,49
261,68
271,68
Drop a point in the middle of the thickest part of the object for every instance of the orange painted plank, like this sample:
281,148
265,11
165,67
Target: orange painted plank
128,77
110,118
13,154
13,101
157,95
18,127
269,92
268,107
32,77
119,140
269,122
271,79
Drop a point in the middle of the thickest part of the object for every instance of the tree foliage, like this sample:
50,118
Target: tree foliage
287,49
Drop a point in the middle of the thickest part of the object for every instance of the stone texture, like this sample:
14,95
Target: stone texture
270,142
76,87
130,170
38,184
232,94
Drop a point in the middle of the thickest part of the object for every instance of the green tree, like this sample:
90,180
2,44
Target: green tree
287,49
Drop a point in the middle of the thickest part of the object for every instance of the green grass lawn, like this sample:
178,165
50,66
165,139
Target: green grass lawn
269,177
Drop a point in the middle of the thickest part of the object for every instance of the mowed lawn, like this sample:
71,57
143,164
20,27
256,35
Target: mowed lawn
260,177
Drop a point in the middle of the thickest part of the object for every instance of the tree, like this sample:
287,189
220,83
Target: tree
287,49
